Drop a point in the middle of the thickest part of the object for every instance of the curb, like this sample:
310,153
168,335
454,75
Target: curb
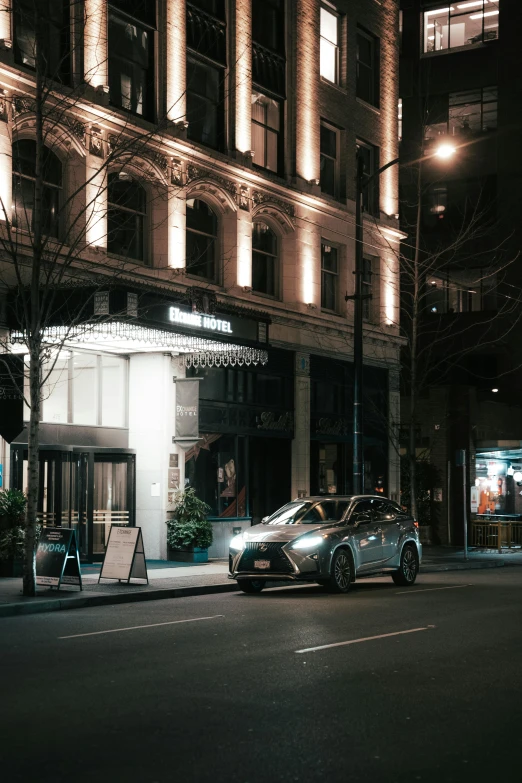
61,604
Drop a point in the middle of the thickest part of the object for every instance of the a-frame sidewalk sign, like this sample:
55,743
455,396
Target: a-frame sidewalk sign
57,558
125,555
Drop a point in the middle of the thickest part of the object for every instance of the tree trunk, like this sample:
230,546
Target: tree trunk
33,465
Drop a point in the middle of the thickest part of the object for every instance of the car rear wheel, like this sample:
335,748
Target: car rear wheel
341,572
251,585
407,572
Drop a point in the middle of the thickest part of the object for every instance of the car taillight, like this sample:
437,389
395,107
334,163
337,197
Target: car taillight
416,524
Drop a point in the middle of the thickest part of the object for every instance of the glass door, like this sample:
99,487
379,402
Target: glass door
113,497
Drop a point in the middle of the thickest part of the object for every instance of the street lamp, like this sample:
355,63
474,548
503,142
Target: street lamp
444,151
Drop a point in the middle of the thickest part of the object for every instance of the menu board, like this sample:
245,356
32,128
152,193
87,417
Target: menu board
125,555
57,560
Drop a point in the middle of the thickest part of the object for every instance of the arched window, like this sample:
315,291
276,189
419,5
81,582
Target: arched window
24,165
265,266
202,231
126,218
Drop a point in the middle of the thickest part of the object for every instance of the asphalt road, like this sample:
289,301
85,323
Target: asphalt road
226,688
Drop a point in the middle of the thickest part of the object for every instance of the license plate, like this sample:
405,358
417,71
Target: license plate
263,564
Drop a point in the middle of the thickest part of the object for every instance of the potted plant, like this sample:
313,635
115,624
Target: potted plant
189,533
12,531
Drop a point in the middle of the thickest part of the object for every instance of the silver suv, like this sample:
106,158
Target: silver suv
329,540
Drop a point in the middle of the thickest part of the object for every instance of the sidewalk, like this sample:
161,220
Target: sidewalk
176,580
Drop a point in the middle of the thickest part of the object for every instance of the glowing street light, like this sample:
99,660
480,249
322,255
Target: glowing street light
445,151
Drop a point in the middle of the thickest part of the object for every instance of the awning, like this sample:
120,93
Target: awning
122,337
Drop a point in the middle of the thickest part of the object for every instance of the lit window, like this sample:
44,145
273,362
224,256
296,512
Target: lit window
131,56
54,36
202,229
464,114
368,67
266,132
329,160
126,217
461,24
329,277
329,55
265,267
24,162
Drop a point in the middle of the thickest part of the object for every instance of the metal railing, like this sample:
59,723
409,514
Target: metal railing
496,533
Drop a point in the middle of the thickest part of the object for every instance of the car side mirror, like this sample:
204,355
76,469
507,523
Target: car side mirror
264,520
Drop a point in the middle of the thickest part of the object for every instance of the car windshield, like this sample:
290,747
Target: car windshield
296,514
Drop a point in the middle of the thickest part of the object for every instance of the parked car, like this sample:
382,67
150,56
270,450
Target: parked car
328,540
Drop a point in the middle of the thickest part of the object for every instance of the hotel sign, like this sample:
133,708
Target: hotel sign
207,323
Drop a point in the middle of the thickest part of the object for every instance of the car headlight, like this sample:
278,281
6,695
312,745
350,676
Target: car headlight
307,542
237,543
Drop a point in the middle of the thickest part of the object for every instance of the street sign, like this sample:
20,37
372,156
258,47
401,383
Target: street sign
57,559
125,555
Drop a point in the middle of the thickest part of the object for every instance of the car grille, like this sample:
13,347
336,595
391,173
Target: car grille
273,552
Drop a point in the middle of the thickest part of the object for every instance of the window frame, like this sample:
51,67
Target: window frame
215,279
332,275
218,105
371,194
49,187
367,287
267,129
146,233
373,70
150,82
336,160
327,9
445,9
65,33
276,260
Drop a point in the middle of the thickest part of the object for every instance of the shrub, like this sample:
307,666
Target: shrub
190,526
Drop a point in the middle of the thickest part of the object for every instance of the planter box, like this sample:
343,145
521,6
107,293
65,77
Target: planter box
11,568
189,555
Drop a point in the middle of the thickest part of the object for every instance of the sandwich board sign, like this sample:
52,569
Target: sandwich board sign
57,558
125,555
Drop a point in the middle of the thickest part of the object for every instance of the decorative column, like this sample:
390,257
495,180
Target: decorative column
301,441
6,41
308,278
177,220
244,239
6,159
243,84
95,49
96,190
176,61
307,91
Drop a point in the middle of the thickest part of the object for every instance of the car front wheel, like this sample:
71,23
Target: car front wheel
341,572
407,572
251,585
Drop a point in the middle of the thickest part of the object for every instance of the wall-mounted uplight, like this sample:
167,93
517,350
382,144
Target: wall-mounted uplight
494,391
445,151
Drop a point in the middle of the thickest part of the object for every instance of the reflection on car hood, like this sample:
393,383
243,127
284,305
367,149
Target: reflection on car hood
280,532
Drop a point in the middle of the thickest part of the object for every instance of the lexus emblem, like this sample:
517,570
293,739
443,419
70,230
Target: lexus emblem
263,547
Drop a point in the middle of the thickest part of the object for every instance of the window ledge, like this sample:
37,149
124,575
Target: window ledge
457,49
334,85
367,105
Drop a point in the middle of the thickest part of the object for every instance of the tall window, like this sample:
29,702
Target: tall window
462,24
265,267
126,217
370,156
85,388
268,24
329,160
202,230
205,112
368,67
266,132
24,162
329,45
329,277
467,113
132,25
51,20
206,62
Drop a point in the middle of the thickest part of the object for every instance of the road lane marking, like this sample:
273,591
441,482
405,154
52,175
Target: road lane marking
365,639
136,627
432,589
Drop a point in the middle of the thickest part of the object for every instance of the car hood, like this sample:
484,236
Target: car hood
281,532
